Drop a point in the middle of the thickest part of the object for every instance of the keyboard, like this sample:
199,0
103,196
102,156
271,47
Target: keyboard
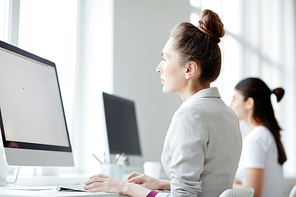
76,187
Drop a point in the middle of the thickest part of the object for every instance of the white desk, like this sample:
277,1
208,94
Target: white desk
50,193
48,184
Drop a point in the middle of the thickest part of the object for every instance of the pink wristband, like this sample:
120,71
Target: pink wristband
152,194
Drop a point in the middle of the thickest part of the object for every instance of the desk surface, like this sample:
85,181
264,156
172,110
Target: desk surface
45,186
9,192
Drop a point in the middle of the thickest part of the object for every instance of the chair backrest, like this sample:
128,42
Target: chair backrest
246,192
293,192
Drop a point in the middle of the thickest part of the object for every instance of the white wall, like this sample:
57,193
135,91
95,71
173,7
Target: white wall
141,29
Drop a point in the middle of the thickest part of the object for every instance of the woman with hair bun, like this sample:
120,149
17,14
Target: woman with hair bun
263,153
203,143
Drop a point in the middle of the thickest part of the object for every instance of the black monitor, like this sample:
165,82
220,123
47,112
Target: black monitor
122,128
32,119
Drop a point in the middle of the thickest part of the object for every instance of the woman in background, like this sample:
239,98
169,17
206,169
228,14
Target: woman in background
203,143
263,154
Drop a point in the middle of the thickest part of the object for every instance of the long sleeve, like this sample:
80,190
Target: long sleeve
187,138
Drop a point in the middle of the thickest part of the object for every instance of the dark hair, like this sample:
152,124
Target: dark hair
263,111
200,44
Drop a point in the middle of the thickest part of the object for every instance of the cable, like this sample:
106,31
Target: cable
16,176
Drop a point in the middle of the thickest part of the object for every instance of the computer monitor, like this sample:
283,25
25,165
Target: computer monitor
32,119
122,129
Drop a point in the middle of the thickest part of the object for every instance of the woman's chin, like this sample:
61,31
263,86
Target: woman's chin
166,90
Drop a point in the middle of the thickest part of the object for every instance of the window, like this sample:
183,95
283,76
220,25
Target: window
4,17
49,30
70,34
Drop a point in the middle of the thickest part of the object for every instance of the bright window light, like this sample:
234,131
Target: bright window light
195,3
3,19
194,18
48,29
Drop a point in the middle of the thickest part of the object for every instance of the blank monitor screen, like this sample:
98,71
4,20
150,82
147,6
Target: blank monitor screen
32,120
121,123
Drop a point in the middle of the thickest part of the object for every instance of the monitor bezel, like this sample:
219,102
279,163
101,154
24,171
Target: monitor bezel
113,152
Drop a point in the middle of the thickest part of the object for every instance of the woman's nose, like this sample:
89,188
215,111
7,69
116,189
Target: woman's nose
158,68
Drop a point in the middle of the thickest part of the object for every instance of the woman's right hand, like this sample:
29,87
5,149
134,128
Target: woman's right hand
144,180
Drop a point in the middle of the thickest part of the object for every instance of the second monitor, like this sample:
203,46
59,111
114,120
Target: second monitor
122,129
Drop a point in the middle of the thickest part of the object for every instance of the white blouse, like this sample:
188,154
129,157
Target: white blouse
202,146
260,151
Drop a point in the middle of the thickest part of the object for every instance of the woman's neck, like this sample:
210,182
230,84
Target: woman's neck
188,92
252,124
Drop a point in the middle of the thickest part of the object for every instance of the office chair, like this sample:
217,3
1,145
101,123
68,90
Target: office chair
293,192
246,192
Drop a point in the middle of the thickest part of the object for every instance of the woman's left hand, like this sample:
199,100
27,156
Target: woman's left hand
103,183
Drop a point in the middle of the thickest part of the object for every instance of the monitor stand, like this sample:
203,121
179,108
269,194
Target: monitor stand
4,168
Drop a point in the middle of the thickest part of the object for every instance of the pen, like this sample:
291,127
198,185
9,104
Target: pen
116,158
121,159
105,161
97,158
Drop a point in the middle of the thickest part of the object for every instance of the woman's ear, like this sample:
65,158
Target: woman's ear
191,69
250,103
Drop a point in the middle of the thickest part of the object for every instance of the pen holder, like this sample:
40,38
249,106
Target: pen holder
114,170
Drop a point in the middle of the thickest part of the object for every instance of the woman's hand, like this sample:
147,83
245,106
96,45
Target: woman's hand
103,183
148,182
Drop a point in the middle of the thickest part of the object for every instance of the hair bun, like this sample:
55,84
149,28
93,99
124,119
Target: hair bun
279,93
210,24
